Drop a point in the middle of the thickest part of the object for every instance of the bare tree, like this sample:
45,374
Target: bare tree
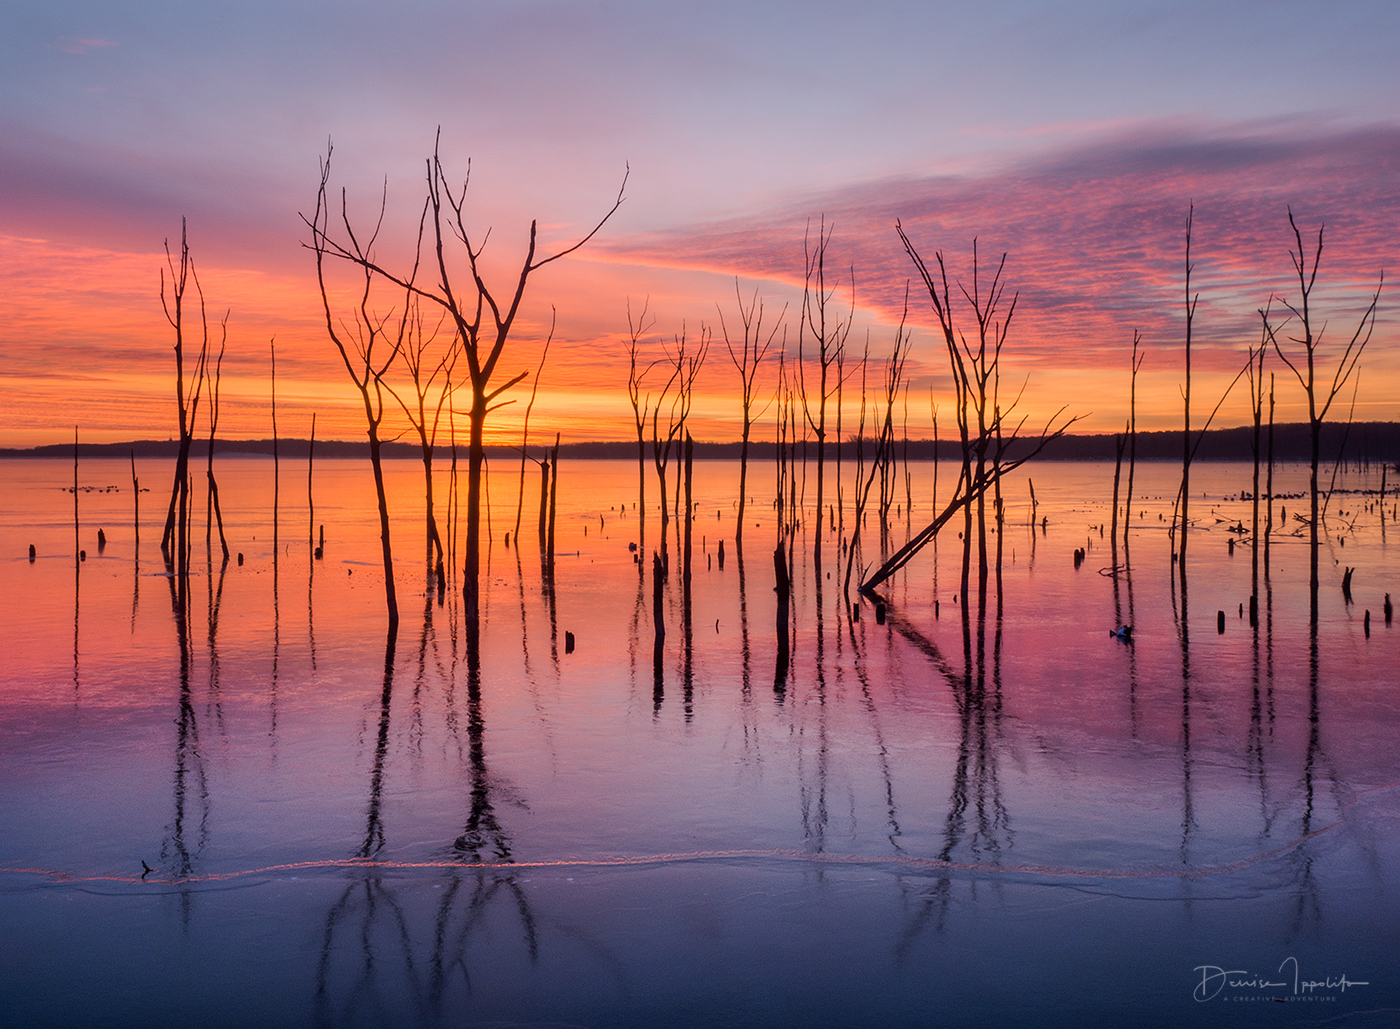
213,484
525,431
1132,439
1184,498
641,409
828,332
427,377
483,322
751,351
975,369
894,377
368,343
1256,406
1320,394
187,393
685,362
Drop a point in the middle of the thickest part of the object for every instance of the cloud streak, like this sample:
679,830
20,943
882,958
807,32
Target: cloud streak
1095,235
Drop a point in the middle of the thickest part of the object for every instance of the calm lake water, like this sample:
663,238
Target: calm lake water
1008,818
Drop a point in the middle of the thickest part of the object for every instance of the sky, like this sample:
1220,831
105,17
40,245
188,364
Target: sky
1073,137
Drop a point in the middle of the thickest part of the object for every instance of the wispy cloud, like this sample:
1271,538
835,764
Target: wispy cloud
80,44
1096,234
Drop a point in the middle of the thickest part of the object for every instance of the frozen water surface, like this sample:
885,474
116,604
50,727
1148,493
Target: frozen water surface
1003,818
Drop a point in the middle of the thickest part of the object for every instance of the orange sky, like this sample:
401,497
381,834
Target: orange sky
1095,242
1075,143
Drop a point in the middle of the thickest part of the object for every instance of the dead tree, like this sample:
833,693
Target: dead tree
368,343
525,431
894,376
641,409
482,321
975,364
976,369
1320,394
1256,406
427,377
685,362
187,393
1184,498
1132,440
827,332
751,351
214,508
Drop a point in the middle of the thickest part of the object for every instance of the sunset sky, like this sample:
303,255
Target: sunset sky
1072,136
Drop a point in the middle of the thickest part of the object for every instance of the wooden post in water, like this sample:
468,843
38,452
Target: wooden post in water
783,588
1118,442
553,495
658,623
77,542
1132,443
689,454
544,496
135,501
310,500
276,461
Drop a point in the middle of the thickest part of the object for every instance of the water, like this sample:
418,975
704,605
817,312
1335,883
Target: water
1008,818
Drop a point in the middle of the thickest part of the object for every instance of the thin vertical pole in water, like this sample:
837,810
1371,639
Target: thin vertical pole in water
310,500
783,588
1186,395
77,542
1256,402
136,503
77,561
1269,483
544,497
1132,439
658,623
276,461
935,458
553,493
1384,466
689,509
1118,442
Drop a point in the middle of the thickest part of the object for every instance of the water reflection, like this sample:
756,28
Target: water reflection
1224,748
372,950
374,819
977,822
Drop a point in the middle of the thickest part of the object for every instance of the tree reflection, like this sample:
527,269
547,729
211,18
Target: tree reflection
372,950
977,826
374,821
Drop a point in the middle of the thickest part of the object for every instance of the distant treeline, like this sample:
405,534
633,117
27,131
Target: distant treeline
1364,441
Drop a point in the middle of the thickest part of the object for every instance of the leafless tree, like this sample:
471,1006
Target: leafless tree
1184,498
641,410
976,369
525,432
429,366
1136,365
823,330
685,361
214,382
187,392
368,342
746,357
884,443
482,320
1303,364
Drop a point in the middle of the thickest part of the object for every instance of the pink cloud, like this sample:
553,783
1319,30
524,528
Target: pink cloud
80,45
1095,235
